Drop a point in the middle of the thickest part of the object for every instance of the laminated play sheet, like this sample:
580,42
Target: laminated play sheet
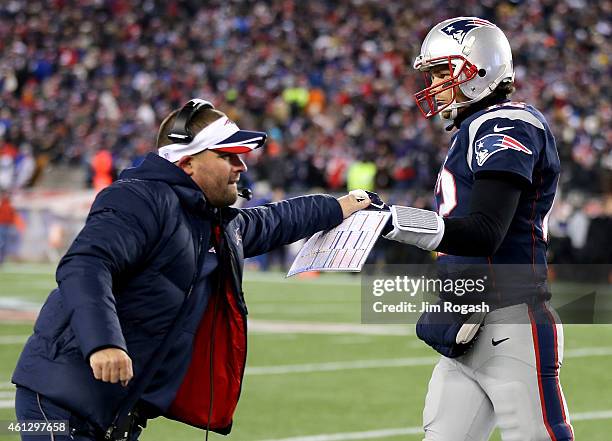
343,248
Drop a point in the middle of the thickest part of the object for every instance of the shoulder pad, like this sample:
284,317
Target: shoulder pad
511,119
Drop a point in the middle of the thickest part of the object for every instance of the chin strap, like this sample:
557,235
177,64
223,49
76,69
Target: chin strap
476,103
414,226
451,117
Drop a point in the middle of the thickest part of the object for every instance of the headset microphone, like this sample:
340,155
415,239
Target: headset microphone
245,193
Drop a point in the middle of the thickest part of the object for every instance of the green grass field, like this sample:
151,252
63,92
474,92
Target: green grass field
313,369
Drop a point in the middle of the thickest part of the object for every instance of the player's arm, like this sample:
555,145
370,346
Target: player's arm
494,199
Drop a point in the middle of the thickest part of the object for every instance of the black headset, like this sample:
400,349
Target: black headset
180,132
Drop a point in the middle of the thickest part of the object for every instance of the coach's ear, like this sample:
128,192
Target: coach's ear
185,164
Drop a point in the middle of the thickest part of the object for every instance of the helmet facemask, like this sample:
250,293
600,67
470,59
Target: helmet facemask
461,71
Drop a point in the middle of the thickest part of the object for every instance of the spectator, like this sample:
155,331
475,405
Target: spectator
8,220
328,81
329,77
102,169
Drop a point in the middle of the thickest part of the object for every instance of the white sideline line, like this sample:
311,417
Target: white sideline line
370,434
340,366
7,404
588,352
13,339
389,362
278,327
19,304
21,268
285,328
588,416
383,433
250,276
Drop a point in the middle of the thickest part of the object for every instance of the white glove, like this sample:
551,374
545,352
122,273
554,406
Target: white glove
359,194
470,328
421,228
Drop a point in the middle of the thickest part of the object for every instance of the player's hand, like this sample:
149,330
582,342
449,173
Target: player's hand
354,201
111,365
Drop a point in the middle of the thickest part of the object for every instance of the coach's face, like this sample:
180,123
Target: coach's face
216,174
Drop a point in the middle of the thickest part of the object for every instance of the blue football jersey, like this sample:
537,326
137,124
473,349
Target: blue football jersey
509,137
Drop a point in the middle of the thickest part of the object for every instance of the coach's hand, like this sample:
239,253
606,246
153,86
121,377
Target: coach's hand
354,201
111,365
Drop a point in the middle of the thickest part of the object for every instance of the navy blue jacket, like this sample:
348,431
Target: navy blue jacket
125,277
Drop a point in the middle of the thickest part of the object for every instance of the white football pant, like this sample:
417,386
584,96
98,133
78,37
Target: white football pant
509,378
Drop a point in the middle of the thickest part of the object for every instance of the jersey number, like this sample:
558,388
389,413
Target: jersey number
447,187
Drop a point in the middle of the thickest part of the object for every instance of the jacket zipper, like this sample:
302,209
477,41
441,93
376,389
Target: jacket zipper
239,295
197,271
109,432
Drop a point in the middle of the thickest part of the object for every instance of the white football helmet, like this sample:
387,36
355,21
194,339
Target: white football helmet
478,56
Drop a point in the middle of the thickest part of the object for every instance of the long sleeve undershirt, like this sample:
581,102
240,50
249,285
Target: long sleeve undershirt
494,199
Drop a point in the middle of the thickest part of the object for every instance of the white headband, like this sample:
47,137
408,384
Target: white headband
210,138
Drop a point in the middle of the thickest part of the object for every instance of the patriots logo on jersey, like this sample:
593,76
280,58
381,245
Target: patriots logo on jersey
488,145
458,29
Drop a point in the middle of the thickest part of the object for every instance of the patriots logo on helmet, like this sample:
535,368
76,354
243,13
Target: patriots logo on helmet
488,145
459,28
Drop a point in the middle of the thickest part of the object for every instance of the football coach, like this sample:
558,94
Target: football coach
149,316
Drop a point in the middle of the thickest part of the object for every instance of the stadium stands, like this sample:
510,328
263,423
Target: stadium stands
331,82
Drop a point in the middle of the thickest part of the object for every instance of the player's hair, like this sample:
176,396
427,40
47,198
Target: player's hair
503,91
199,120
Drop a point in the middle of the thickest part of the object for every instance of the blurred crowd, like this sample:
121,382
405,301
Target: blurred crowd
87,82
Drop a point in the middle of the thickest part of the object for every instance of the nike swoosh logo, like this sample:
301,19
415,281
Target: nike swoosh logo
501,129
495,343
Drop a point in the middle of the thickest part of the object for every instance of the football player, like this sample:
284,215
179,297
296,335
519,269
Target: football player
493,194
